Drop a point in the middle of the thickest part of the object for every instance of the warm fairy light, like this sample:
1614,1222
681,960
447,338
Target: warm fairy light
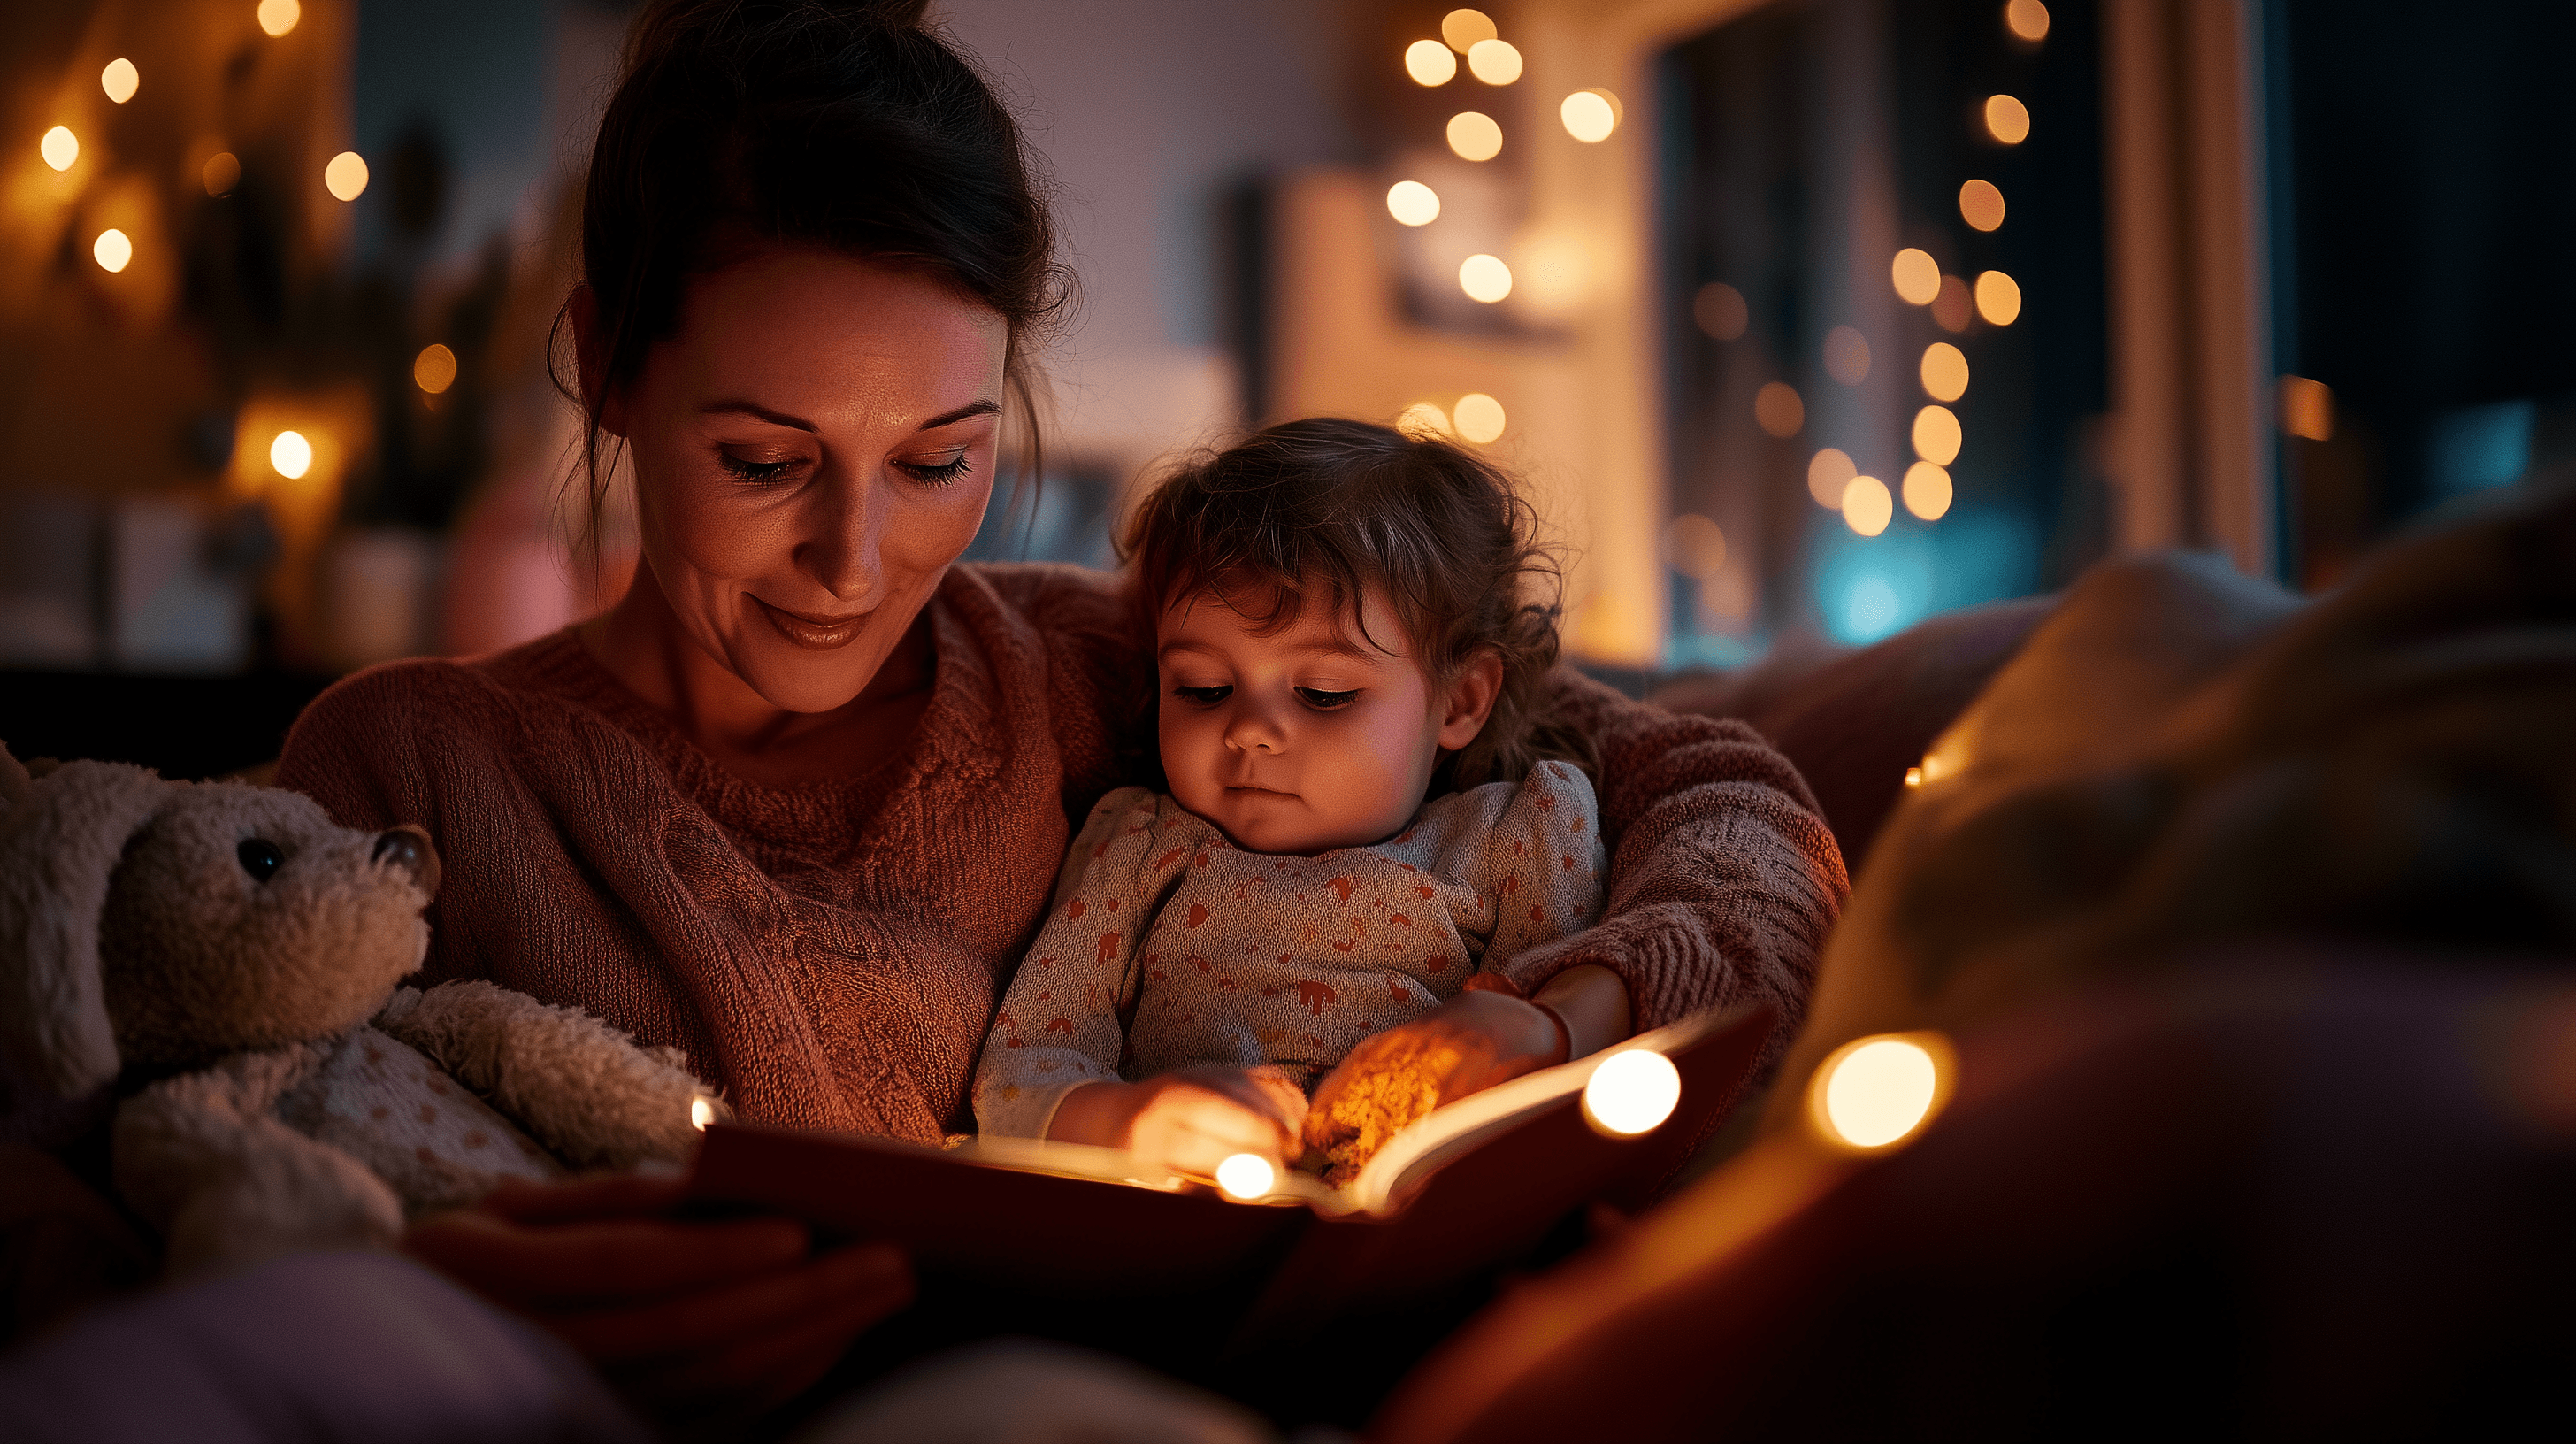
1588,115
120,80
112,250
1936,435
222,173
1695,546
279,16
2027,19
1867,508
2007,119
1846,355
1495,62
59,147
346,176
1631,1092
1246,1175
1413,203
1998,298
1720,311
1430,63
1927,491
701,1113
2307,408
1954,308
1874,1092
1981,205
1463,28
291,454
1777,409
1945,371
434,369
1423,419
1913,776
1917,276
1479,417
1475,136
1828,472
1484,278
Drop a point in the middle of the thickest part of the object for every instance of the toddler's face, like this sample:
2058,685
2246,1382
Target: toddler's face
1310,738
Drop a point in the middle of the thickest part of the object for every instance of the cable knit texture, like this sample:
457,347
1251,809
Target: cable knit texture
829,953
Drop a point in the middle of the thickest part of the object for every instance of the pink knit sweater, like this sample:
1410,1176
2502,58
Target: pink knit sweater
829,953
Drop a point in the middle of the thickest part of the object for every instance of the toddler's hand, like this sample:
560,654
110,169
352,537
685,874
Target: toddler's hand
1188,1120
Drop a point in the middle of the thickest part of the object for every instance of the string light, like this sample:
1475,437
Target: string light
1954,307
2027,19
112,251
1430,63
1828,472
59,147
279,16
1927,491
1411,202
1846,355
1473,135
2007,119
1463,28
1485,278
221,174
1695,546
1917,276
1981,205
1945,372
1876,1092
1631,1092
1246,1176
1867,508
1777,409
1495,62
434,369
1478,417
1720,311
120,80
1589,115
1998,298
1936,435
291,454
346,176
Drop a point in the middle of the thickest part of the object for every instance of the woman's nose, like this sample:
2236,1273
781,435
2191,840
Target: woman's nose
840,547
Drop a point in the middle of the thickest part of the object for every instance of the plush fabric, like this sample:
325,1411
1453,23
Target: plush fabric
830,953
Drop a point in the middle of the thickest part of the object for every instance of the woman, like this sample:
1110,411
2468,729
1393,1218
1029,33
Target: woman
796,802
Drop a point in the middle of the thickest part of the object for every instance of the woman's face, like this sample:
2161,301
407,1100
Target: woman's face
812,448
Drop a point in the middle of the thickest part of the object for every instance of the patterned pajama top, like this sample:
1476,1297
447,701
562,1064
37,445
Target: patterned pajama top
1166,945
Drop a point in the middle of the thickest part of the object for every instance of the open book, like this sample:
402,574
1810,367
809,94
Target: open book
1471,1186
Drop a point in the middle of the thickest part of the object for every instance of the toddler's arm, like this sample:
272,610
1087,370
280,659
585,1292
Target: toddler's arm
1543,869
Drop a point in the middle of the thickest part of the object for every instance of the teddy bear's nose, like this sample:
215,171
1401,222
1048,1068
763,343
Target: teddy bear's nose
408,847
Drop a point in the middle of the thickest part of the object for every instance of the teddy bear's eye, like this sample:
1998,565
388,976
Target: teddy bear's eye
260,858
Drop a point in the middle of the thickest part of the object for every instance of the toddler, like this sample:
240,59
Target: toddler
1344,623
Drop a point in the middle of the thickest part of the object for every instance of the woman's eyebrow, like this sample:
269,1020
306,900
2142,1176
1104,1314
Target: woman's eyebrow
799,423
950,418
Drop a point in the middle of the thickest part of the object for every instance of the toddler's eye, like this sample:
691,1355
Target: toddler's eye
1323,701
1204,696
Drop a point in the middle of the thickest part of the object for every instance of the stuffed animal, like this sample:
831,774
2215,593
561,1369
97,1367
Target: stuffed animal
228,956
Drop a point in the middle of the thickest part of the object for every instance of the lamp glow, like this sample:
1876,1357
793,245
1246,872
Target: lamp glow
1879,1091
1485,278
112,251
59,147
279,16
1246,1175
1632,1093
120,80
1430,63
701,1113
1495,62
1411,202
1589,116
1474,135
1479,417
346,176
1867,508
291,454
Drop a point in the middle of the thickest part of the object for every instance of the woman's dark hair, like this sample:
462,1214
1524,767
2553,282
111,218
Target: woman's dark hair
843,125
1331,507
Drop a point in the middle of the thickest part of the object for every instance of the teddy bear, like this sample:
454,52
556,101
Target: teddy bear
229,958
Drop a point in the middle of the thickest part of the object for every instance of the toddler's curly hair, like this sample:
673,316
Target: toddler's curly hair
1329,505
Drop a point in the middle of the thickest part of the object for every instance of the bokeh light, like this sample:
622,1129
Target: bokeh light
1695,546
1430,63
1246,1175
1917,276
1937,435
1828,472
112,250
222,173
2027,19
1867,508
346,176
1424,419
1473,135
701,1113
1777,409
1945,371
291,454
1876,1091
1720,311
1413,203
59,147
1495,62
1981,205
2007,119
1463,28
434,369
2307,408
1589,116
120,80
1478,417
279,16
1927,491
1484,278
1632,1092
1846,355
1955,307
1998,298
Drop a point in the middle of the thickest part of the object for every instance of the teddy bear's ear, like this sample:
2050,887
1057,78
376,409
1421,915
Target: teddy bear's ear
59,844
13,780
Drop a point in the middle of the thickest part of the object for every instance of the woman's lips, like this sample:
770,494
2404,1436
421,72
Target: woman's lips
812,630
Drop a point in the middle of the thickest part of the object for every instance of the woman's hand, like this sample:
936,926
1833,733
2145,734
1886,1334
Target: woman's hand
1494,1036
1189,1120
685,1319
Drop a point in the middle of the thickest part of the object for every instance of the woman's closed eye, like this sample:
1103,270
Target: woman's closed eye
1204,696
1323,701
937,473
761,473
